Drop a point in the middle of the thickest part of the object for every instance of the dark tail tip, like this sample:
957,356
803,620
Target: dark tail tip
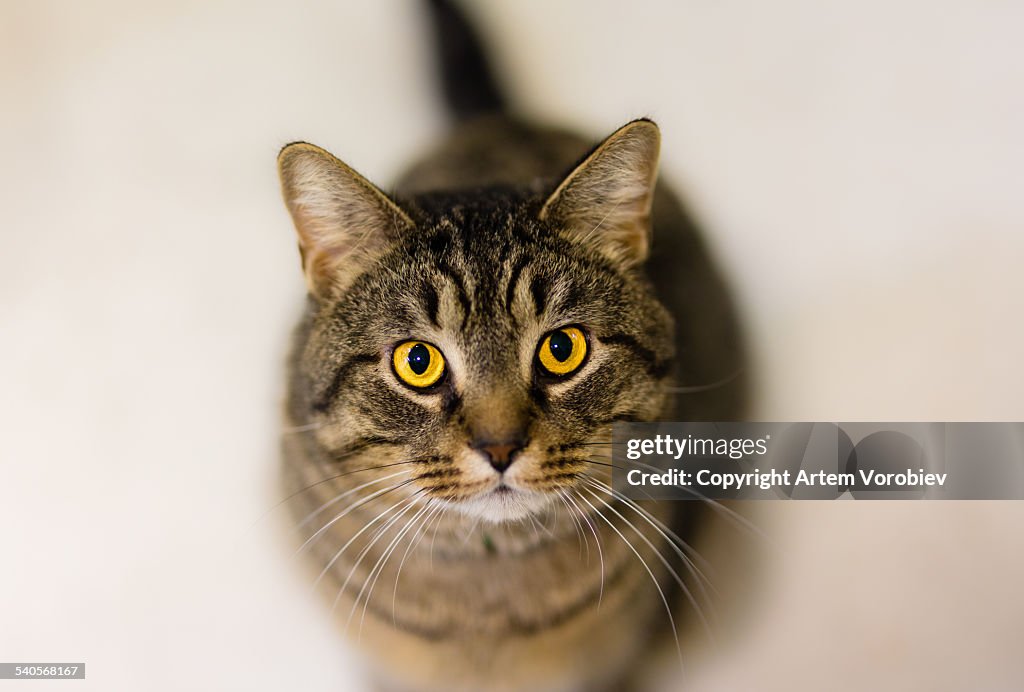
466,78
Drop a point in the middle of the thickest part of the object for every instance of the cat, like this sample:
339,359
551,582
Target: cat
467,343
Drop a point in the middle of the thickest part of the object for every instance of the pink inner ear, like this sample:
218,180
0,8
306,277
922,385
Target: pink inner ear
342,220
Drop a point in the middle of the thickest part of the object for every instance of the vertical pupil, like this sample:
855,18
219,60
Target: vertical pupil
561,346
419,359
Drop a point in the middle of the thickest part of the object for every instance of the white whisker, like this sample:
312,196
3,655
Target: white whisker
378,568
733,517
301,428
694,389
382,562
338,498
677,544
420,532
347,510
437,525
358,533
668,566
410,503
650,573
580,535
597,540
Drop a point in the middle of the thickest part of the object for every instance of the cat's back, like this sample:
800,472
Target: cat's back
494,150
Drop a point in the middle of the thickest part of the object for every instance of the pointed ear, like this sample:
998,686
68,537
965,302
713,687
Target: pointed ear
342,219
606,201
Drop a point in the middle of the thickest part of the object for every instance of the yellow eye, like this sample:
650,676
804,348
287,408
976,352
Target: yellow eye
562,351
418,364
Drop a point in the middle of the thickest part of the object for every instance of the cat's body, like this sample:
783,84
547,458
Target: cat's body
451,520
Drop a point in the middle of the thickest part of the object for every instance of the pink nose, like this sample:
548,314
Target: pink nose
500,454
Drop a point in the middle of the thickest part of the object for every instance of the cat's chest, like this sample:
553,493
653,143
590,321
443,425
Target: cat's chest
448,583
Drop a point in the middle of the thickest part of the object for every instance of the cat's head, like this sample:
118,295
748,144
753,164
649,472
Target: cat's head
483,342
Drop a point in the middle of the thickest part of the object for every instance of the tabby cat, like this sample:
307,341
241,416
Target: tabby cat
468,342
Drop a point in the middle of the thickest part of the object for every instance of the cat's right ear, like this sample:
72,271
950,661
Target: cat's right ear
342,219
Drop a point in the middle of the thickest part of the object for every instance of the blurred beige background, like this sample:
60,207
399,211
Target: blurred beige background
859,165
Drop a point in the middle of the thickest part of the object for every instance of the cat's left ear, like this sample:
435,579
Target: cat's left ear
605,201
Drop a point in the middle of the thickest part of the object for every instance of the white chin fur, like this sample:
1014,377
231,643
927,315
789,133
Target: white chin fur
501,507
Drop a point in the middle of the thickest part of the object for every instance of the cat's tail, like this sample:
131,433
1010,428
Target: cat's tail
466,79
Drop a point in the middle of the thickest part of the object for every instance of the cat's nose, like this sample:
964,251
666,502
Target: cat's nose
500,454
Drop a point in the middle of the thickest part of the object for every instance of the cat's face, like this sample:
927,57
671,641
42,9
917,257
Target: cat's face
484,343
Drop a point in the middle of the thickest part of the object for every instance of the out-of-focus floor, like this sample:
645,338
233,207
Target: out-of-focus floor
859,164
